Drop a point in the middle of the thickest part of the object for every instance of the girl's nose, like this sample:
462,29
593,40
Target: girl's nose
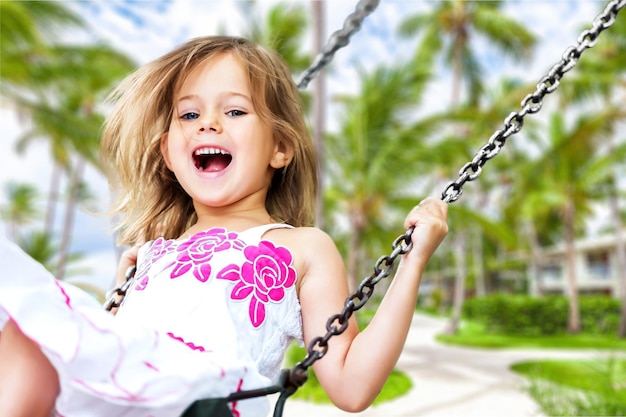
210,124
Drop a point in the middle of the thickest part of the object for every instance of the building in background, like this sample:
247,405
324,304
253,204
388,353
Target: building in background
596,268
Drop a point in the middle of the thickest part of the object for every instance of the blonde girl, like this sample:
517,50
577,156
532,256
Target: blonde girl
215,176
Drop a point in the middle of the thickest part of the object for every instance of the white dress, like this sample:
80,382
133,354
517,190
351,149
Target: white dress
206,316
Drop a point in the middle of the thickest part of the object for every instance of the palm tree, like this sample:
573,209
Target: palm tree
447,30
18,213
95,69
60,94
601,74
64,116
572,172
375,158
282,30
498,176
25,30
40,246
20,209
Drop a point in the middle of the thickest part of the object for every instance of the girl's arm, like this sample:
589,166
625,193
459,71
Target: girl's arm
357,365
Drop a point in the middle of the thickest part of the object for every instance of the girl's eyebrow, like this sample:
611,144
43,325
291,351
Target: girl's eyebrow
224,94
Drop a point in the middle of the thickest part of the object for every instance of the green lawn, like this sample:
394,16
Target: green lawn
474,334
597,375
577,388
562,388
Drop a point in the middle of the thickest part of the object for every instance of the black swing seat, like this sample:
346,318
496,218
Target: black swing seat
288,383
209,407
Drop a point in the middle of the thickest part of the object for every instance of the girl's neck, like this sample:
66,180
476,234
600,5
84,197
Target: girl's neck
232,221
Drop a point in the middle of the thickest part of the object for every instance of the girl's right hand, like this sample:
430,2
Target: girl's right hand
429,219
128,259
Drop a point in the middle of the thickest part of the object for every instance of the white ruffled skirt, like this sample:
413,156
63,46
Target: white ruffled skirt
108,368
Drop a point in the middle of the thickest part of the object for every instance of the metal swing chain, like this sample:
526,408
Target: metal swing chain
338,40
292,379
532,103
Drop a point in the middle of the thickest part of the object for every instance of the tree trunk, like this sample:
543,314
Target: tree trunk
459,282
620,251
573,322
319,95
479,258
536,259
53,197
68,222
356,229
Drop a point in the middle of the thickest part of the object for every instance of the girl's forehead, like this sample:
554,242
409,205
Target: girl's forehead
221,70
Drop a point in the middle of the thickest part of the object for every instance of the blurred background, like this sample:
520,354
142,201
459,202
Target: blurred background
419,89
536,252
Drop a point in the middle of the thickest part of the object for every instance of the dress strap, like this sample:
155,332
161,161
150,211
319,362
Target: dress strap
257,232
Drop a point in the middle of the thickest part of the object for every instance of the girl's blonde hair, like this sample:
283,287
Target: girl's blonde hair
149,201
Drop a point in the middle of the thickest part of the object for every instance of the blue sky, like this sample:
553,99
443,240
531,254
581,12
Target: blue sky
147,29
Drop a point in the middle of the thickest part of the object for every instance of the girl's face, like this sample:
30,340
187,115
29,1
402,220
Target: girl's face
220,150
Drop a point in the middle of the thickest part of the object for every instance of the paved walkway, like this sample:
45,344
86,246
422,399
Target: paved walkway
451,381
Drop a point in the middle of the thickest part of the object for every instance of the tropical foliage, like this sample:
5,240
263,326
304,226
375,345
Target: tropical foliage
56,86
387,152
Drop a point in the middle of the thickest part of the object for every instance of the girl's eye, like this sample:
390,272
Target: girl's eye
190,116
235,113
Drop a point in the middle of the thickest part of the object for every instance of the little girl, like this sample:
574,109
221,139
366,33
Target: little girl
209,157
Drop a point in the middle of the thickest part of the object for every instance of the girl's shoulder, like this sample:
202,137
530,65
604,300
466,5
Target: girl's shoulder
301,238
312,247
317,260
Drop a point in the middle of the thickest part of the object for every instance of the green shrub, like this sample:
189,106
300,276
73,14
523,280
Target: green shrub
535,316
599,314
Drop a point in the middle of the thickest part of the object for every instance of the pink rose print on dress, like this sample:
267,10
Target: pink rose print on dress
263,277
199,249
159,248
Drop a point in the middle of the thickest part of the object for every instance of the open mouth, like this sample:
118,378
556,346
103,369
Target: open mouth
211,159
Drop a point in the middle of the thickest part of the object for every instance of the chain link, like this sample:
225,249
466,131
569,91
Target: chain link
532,102
116,295
338,40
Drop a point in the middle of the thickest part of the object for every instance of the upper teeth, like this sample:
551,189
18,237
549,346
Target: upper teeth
210,151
